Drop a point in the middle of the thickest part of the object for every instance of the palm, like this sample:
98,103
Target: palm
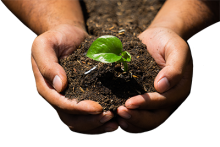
66,39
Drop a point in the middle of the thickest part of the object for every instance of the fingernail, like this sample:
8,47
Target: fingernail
57,83
106,118
163,85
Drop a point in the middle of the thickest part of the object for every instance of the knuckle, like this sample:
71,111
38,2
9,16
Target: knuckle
40,41
44,69
177,72
46,72
175,75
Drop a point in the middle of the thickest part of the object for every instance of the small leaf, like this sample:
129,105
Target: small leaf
126,56
106,49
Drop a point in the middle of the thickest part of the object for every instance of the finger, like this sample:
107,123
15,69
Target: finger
177,57
143,119
59,101
88,123
108,127
126,126
147,101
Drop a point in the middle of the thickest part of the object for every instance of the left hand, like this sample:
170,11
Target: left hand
173,83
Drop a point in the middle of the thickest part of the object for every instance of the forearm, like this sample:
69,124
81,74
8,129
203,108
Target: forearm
187,17
42,15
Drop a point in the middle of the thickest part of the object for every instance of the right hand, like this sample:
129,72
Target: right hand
59,42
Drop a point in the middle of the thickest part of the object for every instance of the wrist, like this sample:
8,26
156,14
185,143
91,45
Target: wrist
185,18
74,29
48,25
169,18
177,26
46,15
70,23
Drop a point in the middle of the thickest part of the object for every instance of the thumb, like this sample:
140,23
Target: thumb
167,78
58,83
46,59
177,56
58,78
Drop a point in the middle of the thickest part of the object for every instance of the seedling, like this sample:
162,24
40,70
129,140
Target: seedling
109,49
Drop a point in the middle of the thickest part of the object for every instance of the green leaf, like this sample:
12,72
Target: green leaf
126,56
106,57
106,49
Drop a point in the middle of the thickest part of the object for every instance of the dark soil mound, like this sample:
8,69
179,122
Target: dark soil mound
107,83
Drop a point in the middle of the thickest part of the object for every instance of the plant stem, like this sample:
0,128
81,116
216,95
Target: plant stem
125,66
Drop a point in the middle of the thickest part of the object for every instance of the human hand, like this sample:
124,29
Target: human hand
48,48
173,83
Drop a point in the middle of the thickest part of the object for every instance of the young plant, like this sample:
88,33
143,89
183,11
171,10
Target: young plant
109,49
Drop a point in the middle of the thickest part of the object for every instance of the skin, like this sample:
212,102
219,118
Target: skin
166,39
60,27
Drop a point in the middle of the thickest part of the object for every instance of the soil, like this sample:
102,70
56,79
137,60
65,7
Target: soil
104,83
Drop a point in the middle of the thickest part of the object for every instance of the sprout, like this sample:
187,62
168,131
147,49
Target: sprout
109,49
